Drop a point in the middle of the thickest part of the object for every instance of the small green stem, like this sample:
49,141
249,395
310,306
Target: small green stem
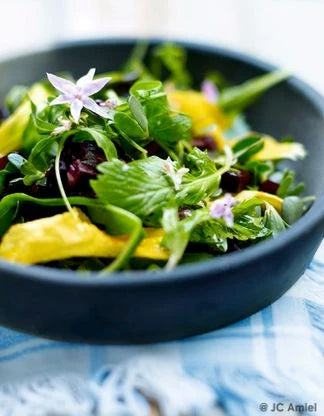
133,241
59,179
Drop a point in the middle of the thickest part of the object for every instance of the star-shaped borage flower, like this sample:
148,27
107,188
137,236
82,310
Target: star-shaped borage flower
78,94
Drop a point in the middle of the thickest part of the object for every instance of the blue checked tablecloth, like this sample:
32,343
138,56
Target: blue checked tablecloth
275,357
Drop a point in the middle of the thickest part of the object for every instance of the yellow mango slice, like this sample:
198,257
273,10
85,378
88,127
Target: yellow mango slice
274,200
274,150
206,117
12,129
65,235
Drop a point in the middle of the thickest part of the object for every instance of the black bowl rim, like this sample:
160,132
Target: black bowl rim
225,263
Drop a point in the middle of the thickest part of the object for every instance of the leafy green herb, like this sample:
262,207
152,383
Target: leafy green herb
140,187
173,58
101,138
139,113
128,127
248,146
237,98
248,225
177,233
286,187
201,228
27,169
261,170
144,188
166,127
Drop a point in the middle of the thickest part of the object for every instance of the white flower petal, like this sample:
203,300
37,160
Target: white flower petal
76,107
94,86
61,84
61,99
86,78
91,105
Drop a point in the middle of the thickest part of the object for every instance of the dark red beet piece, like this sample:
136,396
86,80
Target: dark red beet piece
204,143
269,186
153,148
235,181
81,160
3,162
77,166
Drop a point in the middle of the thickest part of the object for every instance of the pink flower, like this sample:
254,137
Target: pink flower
210,91
78,94
222,208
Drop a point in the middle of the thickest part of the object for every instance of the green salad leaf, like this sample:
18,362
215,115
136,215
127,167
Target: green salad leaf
140,187
287,187
144,186
100,136
239,97
248,225
173,58
273,220
177,233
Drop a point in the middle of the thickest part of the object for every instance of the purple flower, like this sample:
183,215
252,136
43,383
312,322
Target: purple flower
210,91
222,208
78,94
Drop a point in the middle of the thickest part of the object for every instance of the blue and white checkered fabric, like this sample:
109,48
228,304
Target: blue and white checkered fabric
275,356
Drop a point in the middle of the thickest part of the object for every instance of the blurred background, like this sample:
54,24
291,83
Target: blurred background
289,33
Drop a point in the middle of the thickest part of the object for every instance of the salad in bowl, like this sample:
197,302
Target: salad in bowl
140,169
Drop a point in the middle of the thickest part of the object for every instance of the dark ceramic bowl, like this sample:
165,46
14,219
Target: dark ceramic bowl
142,307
